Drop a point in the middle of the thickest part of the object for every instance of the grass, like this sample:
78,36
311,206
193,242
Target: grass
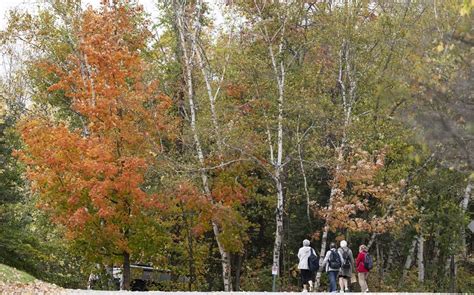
12,275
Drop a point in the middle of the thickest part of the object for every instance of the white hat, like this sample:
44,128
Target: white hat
305,242
343,243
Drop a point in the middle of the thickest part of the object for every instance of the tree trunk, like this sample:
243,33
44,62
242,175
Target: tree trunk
208,275
191,266
389,258
408,261
125,284
373,237
421,266
324,237
188,61
225,256
452,273
436,257
279,224
453,260
279,72
279,172
379,252
225,260
464,205
238,268
303,172
324,240
322,254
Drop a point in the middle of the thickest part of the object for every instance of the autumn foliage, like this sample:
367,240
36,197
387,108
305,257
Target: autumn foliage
90,177
360,200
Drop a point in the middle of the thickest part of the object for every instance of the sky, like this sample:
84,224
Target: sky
6,5
149,6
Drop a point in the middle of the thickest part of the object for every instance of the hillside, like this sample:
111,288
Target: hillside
13,281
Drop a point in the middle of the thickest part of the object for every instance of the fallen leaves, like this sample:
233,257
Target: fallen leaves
35,287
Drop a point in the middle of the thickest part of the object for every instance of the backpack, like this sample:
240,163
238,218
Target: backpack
368,261
347,262
313,261
334,260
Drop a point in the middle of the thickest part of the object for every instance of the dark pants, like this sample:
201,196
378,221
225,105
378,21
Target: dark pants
306,275
332,280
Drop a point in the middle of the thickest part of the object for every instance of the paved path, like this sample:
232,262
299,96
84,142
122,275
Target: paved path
92,292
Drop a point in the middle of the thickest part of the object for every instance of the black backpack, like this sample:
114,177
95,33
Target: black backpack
368,261
334,260
313,261
347,262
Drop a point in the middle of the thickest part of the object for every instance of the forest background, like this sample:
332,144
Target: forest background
212,151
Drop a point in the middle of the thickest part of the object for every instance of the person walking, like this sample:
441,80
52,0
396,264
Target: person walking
306,274
347,267
333,263
362,271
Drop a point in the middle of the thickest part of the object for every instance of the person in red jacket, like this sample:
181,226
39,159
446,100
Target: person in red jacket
363,273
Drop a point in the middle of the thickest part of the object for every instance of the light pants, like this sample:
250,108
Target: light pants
363,281
344,283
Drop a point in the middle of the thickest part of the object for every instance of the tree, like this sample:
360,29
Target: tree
214,160
91,179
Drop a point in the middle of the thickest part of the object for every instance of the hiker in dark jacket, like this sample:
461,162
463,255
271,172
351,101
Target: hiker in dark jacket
348,266
363,272
332,262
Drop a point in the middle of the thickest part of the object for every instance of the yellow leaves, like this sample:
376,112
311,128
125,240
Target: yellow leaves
417,227
439,48
466,7
3,111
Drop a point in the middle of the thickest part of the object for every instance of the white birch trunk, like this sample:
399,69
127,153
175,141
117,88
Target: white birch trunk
212,99
464,205
278,169
278,222
348,99
305,182
225,257
279,72
421,266
409,260
322,253
453,260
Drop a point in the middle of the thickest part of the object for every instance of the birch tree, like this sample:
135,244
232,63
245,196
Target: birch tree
274,42
188,22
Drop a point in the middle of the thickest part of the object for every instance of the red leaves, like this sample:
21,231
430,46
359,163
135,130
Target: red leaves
229,194
79,218
354,184
93,184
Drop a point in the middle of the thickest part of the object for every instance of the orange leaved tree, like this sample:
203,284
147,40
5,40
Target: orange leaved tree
91,179
360,200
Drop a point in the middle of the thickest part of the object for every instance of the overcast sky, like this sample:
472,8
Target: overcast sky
149,6
6,5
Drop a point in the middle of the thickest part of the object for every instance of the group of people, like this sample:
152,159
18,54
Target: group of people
338,263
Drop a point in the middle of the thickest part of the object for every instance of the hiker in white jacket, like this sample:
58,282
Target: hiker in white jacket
306,274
